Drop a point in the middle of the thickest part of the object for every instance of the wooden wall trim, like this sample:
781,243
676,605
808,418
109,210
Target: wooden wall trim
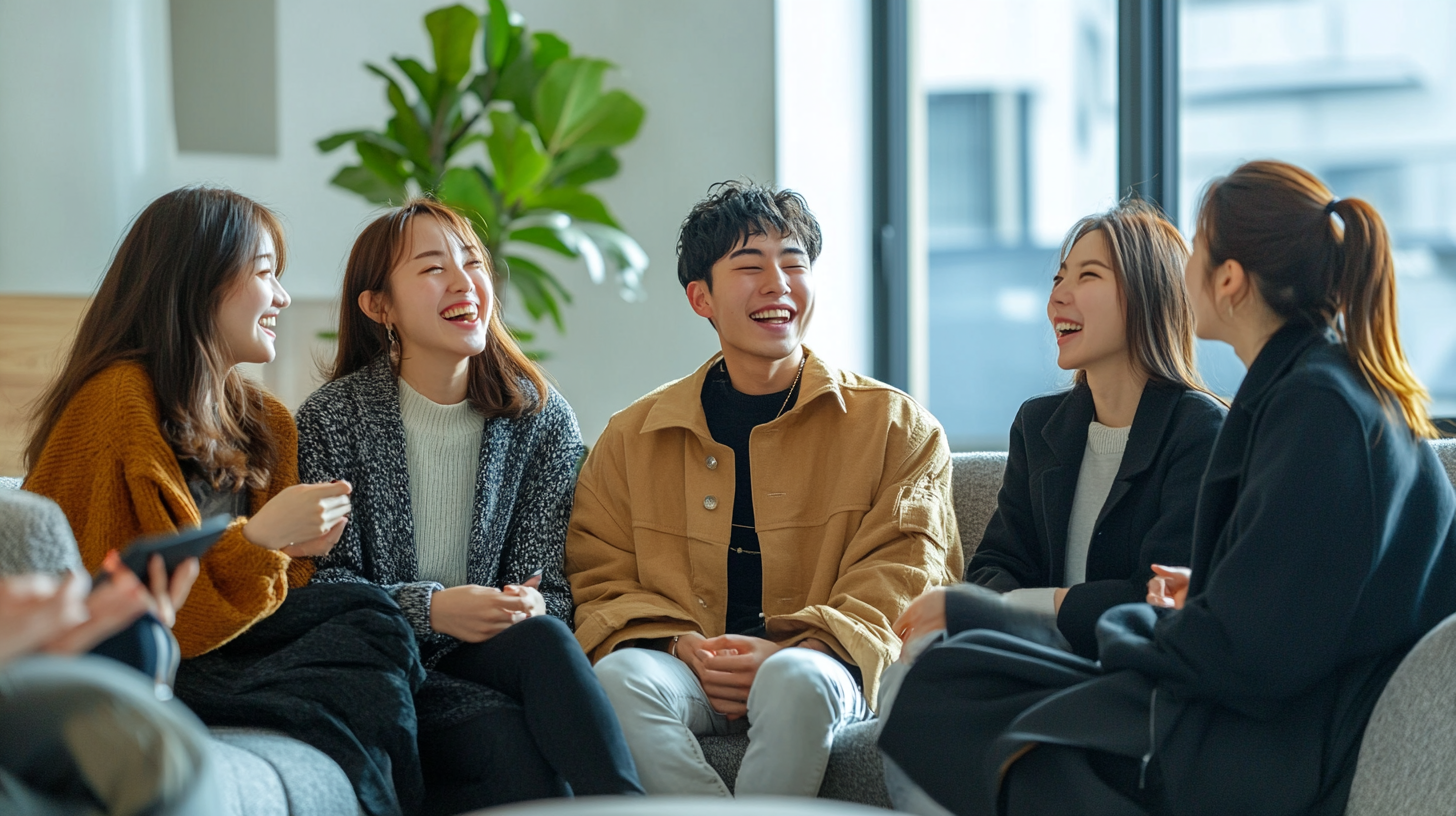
35,335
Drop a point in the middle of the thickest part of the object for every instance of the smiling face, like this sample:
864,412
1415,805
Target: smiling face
440,296
1086,307
761,298
248,314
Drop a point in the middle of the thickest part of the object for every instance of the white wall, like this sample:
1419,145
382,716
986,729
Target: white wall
823,102
85,129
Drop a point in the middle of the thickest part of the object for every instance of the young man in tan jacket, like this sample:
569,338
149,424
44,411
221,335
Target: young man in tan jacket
743,538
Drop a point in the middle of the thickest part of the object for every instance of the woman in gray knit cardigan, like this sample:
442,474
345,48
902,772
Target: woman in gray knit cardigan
462,461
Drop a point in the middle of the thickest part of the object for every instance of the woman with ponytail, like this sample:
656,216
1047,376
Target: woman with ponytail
1322,551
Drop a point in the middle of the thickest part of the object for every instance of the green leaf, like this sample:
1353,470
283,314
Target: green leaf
547,49
497,35
541,293
370,185
565,96
626,254
573,201
543,237
329,144
578,166
613,120
515,155
452,31
424,80
382,163
408,125
465,190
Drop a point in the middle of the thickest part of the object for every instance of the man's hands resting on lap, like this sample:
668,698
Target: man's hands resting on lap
727,665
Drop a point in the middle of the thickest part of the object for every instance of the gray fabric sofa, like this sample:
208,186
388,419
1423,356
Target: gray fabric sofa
1407,761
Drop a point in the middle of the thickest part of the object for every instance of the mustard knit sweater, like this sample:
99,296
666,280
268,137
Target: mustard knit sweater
110,469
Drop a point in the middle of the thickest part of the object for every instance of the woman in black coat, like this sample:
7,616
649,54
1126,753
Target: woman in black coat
1322,552
1101,480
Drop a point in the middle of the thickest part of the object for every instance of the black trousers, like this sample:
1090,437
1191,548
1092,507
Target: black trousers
563,740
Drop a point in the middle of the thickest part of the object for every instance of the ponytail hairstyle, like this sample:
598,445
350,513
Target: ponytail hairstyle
502,380
158,306
1274,219
1148,256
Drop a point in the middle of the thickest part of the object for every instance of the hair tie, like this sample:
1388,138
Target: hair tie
1330,207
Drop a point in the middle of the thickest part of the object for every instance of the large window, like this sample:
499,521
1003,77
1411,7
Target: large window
1021,140
1362,93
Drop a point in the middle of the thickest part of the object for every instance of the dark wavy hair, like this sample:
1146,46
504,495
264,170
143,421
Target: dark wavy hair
732,213
158,306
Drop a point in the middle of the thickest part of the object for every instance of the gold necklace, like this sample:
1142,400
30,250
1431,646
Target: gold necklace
803,358
723,366
797,374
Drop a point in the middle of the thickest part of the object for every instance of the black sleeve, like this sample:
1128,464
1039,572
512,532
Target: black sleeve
1168,542
1007,556
1276,607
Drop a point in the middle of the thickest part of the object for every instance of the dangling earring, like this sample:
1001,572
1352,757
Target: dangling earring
393,343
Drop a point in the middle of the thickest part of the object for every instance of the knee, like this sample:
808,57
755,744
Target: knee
795,677
627,672
550,634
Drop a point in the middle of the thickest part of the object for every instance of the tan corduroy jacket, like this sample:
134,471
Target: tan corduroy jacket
852,500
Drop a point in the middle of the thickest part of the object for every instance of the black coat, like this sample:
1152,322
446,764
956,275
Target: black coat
1147,518
1323,550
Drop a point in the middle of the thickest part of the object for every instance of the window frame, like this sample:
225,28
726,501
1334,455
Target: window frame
1147,155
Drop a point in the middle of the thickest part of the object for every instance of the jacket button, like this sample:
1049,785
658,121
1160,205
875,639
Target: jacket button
702,602
711,462
711,502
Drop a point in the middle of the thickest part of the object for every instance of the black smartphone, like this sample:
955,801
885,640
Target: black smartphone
175,547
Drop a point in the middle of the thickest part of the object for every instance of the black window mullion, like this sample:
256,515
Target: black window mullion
890,182
1147,101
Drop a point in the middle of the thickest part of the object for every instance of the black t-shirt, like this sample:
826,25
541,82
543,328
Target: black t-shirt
732,416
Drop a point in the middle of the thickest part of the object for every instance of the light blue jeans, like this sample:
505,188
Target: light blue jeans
798,700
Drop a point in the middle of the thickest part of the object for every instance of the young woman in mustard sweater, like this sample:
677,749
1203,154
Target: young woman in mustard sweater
152,427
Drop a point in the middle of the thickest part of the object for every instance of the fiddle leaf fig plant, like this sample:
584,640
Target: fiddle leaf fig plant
510,133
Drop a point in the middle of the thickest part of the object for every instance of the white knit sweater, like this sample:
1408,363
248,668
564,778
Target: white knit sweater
442,451
1100,463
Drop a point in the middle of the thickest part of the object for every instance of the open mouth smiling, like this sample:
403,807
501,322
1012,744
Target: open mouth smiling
773,315
1066,328
461,313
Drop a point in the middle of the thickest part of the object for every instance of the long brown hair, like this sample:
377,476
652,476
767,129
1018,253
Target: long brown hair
1148,256
158,306
499,376
1274,219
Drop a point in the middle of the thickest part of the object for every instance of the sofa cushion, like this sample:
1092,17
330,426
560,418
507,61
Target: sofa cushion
247,784
1408,756
309,781
975,481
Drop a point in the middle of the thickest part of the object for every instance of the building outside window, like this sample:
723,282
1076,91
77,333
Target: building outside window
1021,131
1021,141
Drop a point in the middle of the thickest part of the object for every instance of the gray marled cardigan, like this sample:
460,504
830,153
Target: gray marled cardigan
351,429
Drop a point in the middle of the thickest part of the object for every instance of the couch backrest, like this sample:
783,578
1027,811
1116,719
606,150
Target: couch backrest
976,478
